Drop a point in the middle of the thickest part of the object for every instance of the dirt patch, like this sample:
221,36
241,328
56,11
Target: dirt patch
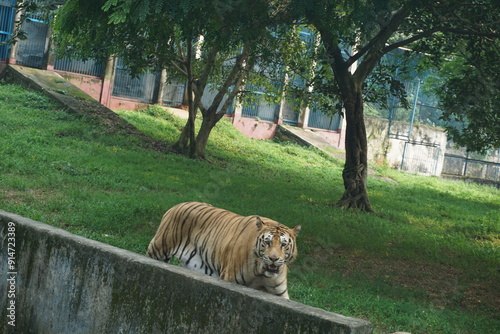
441,285
109,119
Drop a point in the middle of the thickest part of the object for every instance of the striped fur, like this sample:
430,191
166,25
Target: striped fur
253,251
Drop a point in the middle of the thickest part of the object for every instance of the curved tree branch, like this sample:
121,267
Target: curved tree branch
373,51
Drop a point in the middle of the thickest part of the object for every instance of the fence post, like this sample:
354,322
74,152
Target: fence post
403,157
304,116
282,103
161,87
13,49
466,163
415,101
107,81
237,111
436,160
497,169
48,53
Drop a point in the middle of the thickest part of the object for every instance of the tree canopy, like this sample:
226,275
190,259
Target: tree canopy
469,93
355,35
206,42
222,42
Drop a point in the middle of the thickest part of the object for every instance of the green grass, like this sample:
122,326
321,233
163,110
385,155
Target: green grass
427,262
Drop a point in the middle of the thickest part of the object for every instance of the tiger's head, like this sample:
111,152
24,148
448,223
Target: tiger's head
275,246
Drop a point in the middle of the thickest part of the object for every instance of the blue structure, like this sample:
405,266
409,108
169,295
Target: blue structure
6,22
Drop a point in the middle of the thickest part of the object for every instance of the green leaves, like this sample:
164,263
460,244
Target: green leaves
137,11
469,92
121,10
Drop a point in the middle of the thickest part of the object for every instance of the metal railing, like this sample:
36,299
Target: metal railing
6,20
320,120
258,107
420,157
31,51
473,168
173,94
141,87
87,67
263,110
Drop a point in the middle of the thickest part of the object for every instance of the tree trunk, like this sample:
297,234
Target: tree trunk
215,111
350,75
207,125
182,143
187,137
355,171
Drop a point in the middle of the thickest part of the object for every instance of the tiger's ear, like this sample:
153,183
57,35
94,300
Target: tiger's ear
296,230
259,223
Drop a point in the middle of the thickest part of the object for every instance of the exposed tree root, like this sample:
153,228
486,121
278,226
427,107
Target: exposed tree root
355,196
359,202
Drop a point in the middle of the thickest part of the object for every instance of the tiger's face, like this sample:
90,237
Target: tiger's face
275,247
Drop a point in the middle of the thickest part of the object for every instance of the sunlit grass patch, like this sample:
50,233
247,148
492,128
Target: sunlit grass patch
426,262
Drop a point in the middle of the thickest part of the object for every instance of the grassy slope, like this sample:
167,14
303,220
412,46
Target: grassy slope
427,262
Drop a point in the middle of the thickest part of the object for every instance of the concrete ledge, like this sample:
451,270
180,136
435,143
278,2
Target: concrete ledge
69,284
283,133
48,82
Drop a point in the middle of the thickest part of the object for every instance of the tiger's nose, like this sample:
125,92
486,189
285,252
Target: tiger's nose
274,259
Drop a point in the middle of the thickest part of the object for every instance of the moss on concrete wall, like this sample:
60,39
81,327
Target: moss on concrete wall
385,149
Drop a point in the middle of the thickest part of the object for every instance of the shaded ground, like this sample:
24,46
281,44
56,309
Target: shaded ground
112,121
441,285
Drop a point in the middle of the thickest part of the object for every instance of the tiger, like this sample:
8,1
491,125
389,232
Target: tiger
253,251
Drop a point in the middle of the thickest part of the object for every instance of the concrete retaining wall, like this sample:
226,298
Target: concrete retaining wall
55,282
253,128
427,144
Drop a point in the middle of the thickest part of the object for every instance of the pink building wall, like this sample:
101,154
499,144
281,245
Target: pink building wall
253,128
89,84
334,137
101,90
